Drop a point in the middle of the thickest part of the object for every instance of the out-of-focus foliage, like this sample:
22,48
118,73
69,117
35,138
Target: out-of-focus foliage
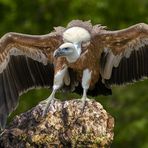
129,104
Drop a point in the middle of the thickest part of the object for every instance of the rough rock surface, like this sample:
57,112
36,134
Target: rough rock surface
65,125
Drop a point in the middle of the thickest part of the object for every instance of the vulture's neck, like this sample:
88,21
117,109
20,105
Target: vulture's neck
76,54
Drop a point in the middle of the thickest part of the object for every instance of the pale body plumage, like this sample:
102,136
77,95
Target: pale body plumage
73,38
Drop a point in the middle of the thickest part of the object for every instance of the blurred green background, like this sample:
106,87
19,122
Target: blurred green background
128,104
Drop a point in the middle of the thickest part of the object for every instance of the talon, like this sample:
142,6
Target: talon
84,100
49,102
44,102
83,103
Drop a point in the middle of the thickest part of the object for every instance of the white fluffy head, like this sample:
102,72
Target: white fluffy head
67,45
76,35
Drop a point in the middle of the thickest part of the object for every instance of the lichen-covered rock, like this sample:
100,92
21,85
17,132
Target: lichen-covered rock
65,125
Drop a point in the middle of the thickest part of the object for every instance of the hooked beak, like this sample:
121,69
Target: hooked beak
59,52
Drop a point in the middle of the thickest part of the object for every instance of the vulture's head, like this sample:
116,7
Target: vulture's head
71,48
65,50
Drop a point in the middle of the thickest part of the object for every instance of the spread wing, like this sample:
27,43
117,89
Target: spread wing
125,54
25,62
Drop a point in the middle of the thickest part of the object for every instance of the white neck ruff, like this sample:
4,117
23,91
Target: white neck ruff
76,54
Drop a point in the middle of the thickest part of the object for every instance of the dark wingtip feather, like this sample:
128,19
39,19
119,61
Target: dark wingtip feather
21,74
3,120
131,69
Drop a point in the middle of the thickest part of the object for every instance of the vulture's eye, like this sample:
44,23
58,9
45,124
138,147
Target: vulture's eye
66,48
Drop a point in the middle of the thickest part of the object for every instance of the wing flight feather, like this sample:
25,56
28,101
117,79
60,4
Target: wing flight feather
25,62
124,56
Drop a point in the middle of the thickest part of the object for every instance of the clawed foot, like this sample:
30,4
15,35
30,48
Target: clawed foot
84,99
48,103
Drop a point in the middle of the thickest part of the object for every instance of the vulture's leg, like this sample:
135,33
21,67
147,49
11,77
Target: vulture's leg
85,84
58,82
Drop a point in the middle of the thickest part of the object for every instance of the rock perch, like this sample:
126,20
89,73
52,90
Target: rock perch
65,125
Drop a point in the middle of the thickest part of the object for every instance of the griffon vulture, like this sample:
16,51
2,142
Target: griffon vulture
80,58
